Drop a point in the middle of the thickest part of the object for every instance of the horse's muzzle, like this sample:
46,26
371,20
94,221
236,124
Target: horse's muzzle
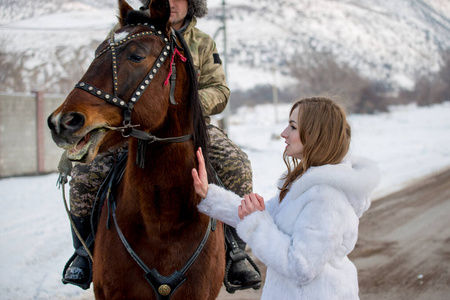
63,127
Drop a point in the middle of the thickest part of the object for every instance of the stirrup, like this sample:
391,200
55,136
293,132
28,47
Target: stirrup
85,285
233,288
236,254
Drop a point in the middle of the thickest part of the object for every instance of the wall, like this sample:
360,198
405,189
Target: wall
26,146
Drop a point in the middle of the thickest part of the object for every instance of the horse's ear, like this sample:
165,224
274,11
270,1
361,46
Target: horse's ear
160,13
124,9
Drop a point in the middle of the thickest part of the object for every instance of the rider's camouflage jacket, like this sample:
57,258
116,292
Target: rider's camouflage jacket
213,90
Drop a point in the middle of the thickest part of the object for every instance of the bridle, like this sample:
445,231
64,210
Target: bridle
170,47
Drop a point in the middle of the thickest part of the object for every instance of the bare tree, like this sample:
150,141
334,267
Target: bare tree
431,88
320,73
7,73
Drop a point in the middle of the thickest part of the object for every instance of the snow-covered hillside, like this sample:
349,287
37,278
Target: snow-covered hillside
53,41
385,40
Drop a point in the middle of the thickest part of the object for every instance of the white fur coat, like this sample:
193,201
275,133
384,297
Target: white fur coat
304,240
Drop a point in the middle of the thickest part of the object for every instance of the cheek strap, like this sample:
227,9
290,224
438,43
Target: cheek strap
173,75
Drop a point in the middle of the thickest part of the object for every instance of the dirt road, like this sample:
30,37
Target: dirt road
403,251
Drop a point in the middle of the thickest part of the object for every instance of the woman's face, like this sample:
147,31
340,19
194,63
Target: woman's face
291,135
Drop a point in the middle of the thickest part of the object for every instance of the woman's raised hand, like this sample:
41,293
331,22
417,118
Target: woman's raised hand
250,204
200,177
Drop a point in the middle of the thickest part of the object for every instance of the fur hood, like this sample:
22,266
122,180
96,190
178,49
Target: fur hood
197,8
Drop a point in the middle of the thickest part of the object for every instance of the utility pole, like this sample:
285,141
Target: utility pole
275,84
275,92
224,21
223,28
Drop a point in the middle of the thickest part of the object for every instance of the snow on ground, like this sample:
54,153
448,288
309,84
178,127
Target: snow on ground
35,241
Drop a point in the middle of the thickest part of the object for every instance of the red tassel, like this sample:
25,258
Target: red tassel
183,59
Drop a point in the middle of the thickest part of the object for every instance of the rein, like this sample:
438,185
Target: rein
170,46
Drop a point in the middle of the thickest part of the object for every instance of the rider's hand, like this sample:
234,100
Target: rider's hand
250,204
200,177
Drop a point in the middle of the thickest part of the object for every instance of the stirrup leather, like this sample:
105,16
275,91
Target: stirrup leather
236,254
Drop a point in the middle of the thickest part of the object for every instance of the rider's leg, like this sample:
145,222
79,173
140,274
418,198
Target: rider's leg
79,272
234,170
84,185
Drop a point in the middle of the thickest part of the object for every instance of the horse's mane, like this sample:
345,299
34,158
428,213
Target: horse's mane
200,134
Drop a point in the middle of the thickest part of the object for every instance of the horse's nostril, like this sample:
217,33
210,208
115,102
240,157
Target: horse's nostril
72,121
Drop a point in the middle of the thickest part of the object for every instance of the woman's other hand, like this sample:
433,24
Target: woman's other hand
250,204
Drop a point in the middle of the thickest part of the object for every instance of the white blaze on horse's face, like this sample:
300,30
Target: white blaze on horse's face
55,119
120,36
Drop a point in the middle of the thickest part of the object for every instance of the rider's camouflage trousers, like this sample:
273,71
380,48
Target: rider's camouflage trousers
86,181
228,160
230,163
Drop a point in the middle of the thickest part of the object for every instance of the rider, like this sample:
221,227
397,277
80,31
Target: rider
228,160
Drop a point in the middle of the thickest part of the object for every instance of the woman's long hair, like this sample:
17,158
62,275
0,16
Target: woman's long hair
324,133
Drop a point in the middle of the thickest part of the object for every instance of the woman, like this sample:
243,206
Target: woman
304,234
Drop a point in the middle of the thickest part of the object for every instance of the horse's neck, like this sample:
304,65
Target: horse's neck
163,189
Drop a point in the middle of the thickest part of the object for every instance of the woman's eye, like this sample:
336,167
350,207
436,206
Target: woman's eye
293,128
136,58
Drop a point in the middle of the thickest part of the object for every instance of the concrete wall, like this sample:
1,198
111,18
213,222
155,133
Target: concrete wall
26,146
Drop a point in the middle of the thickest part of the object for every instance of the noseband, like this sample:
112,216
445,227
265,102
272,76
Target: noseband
170,47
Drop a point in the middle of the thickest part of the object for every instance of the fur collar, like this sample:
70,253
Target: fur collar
356,177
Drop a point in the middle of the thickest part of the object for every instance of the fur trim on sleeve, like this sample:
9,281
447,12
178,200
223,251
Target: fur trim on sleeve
221,205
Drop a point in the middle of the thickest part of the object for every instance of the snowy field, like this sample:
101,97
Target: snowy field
35,241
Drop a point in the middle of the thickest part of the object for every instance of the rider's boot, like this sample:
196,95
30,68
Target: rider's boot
78,270
242,272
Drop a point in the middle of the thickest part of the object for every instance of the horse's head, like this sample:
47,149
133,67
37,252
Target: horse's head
126,84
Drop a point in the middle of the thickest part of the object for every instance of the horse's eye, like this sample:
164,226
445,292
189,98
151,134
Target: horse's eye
136,58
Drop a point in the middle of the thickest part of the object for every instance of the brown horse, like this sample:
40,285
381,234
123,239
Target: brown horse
151,242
